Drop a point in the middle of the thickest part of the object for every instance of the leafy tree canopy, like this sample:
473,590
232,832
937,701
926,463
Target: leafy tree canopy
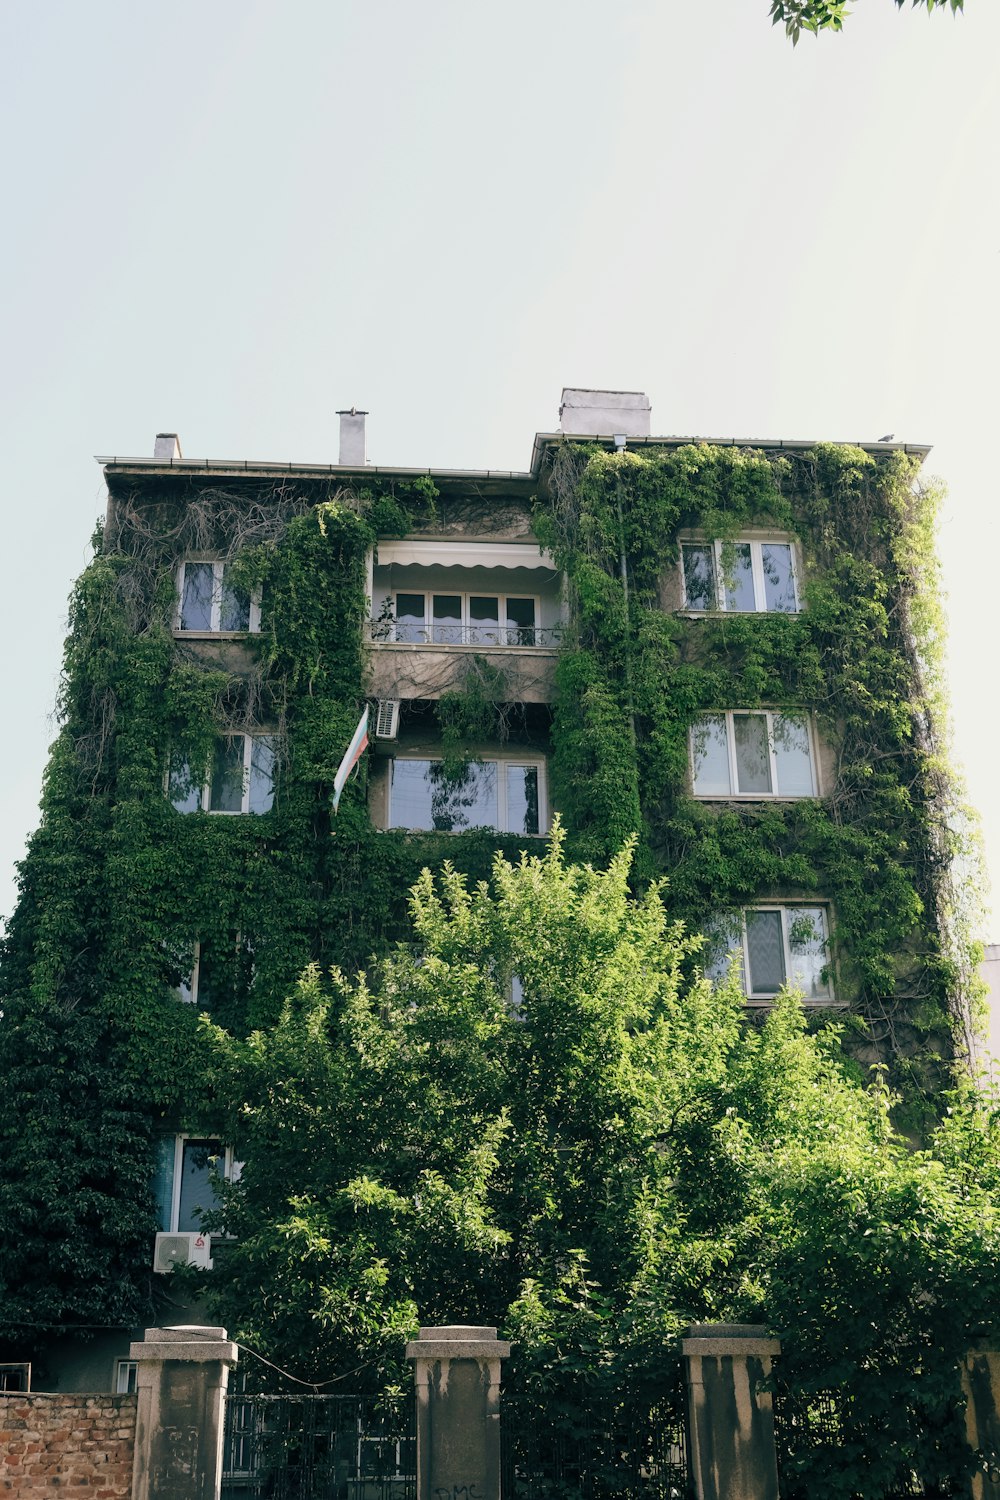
591,1160
829,15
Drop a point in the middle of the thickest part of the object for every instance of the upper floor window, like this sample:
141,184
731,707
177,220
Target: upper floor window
504,794
183,1182
775,945
465,619
745,576
241,777
217,973
755,754
209,604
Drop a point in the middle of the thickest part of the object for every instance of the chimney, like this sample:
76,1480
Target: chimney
167,446
604,413
353,449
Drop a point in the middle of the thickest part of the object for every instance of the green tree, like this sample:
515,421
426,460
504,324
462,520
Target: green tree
829,15
612,1154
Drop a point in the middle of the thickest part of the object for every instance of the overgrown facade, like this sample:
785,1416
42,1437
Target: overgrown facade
727,650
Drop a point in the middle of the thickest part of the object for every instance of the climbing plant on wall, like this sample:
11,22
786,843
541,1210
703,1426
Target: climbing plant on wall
118,886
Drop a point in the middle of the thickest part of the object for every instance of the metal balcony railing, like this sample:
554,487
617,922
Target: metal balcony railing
395,632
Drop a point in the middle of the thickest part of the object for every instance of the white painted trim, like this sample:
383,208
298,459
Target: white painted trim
769,715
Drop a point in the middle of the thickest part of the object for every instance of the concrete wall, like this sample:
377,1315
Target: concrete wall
51,1442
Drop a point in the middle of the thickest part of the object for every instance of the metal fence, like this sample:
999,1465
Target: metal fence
319,1447
594,1448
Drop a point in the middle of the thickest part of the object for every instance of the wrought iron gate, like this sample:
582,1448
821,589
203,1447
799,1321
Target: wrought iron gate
594,1448
319,1447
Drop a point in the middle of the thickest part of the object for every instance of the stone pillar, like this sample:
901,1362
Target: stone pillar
456,1372
730,1418
981,1384
181,1384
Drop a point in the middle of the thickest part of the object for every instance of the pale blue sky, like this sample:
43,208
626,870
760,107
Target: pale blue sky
232,218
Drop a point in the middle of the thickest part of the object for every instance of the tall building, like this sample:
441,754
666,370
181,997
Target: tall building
722,649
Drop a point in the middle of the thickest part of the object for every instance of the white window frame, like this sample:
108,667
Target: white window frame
218,574
788,910
126,1376
188,991
529,762
755,544
231,1169
467,626
205,793
770,714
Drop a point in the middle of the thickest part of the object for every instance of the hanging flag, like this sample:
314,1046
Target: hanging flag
354,752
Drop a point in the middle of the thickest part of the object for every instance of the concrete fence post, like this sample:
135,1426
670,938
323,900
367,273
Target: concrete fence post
456,1373
981,1385
730,1418
181,1384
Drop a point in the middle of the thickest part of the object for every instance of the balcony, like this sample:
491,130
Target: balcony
436,603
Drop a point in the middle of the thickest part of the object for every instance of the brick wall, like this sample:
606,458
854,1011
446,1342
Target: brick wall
54,1444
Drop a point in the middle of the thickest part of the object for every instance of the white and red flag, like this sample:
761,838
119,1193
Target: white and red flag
354,752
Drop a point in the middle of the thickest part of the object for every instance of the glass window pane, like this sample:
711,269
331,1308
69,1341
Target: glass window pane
484,620
410,794
234,613
447,615
792,757
410,618
807,946
710,756
753,756
467,799
522,799
197,1194
738,575
779,583
699,577
723,938
227,775
765,952
184,795
163,1179
263,753
196,601
520,622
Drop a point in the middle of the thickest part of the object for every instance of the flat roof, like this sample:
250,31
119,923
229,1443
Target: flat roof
496,477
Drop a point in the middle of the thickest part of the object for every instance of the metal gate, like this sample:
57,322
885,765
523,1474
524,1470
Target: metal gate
594,1447
319,1447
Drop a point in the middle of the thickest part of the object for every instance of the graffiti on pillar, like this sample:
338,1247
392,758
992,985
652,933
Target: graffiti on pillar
460,1492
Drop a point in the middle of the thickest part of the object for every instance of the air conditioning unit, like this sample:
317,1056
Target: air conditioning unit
182,1250
386,718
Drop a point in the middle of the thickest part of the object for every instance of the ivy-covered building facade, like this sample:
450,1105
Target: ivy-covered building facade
726,650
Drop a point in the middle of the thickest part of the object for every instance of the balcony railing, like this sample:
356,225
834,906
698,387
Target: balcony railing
396,633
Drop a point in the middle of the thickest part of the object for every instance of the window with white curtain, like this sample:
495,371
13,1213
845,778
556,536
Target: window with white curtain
241,777
774,945
209,603
746,576
753,753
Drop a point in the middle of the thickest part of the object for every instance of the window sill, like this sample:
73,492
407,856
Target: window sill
213,635
742,614
458,646
769,797
764,1002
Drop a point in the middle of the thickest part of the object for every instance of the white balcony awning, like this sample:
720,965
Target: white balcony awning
431,554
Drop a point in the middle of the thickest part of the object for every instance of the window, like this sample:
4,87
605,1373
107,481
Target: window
775,945
209,604
182,1183
465,619
126,1372
15,1377
742,576
241,777
504,794
754,754
220,974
